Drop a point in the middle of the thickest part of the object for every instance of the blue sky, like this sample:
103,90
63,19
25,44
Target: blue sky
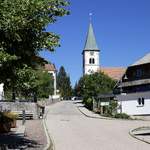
122,30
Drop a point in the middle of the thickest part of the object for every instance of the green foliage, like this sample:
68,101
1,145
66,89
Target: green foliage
78,89
10,115
122,116
45,84
26,79
91,85
89,103
111,111
23,35
31,82
112,108
4,118
63,83
6,58
23,23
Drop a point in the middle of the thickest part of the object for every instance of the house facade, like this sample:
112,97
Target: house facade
52,70
133,90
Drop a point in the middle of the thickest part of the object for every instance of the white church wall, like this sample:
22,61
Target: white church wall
87,56
87,66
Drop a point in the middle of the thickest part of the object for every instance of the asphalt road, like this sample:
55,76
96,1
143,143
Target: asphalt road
71,130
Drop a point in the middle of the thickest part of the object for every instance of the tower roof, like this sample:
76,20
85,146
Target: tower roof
90,43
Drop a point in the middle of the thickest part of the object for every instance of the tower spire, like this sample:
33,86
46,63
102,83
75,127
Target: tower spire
90,52
90,43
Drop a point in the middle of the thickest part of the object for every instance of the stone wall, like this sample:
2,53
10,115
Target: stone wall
49,101
19,106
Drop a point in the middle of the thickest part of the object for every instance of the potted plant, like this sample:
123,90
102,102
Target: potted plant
5,123
13,117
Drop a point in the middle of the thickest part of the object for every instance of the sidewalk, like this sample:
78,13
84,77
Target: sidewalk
29,137
141,133
87,112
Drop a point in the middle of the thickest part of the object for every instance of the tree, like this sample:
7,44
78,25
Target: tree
31,83
91,85
23,33
78,88
45,84
63,83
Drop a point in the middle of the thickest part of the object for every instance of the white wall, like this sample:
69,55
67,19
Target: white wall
54,76
131,107
1,91
86,64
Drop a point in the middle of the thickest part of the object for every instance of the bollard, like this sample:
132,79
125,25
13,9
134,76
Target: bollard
23,117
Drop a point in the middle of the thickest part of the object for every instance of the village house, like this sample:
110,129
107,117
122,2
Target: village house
53,71
134,88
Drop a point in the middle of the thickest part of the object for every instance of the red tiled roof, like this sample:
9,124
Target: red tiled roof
50,67
113,72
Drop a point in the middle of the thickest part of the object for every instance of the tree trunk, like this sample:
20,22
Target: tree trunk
13,94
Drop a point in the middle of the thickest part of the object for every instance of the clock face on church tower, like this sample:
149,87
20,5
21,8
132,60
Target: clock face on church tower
91,71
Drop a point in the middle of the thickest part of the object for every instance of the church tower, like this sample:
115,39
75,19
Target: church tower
90,53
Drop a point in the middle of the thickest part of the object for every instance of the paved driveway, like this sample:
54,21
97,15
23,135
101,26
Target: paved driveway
73,131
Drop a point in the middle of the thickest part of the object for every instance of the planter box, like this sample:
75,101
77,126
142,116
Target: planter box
13,124
5,127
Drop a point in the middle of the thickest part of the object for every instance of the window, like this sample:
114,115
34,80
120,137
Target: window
138,73
90,71
141,101
91,61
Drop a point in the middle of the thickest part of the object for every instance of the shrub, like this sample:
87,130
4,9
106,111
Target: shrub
10,115
89,103
5,123
122,116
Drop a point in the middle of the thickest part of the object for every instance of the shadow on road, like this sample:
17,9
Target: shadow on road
77,102
142,134
13,141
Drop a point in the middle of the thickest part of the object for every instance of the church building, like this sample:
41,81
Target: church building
91,58
133,87
90,53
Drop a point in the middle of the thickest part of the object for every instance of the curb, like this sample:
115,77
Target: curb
132,135
93,116
105,118
50,142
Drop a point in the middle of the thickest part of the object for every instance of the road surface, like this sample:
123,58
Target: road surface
71,130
